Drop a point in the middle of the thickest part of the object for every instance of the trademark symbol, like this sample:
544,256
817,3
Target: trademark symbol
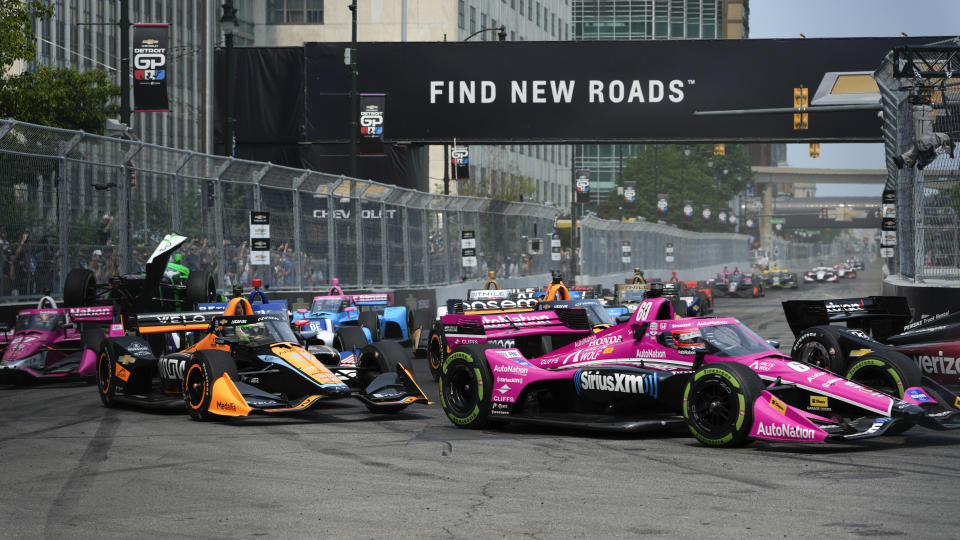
691,81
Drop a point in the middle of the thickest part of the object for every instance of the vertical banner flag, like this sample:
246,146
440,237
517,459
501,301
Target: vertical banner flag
888,223
583,185
150,46
625,252
460,162
688,208
722,216
555,253
371,125
468,248
888,205
662,203
629,191
259,237
706,212
668,253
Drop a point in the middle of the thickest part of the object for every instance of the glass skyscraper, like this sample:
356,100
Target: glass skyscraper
646,19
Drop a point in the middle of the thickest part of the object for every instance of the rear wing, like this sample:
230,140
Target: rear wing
881,315
276,305
586,291
480,301
101,314
559,319
183,321
372,299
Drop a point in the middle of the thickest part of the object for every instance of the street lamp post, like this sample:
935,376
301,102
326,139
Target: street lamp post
228,23
354,112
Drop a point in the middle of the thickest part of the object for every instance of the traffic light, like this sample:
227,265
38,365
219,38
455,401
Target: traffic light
800,103
815,150
719,150
824,213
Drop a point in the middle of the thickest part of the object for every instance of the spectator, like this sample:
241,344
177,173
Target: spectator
103,232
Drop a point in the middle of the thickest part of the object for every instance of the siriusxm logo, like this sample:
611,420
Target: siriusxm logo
625,383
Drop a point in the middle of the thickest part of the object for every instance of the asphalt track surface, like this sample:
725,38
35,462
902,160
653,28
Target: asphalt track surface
70,468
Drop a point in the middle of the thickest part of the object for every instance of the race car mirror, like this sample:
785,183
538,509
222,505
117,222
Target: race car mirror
301,322
623,318
637,330
773,343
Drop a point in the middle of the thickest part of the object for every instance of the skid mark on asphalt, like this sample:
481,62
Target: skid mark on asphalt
30,434
63,508
709,472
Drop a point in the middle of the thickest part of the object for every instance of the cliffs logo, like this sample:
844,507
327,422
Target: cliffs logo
786,432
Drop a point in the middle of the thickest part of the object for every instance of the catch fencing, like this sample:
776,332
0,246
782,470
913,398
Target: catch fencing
919,103
72,199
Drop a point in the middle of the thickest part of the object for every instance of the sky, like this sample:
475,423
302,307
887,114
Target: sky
849,18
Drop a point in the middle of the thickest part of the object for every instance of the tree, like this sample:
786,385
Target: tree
17,40
506,187
683,172
60,97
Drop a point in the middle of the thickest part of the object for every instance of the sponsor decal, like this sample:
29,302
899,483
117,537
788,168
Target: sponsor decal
651,353
860,334
712,322
926,320
798,367
364,214
500,408
625,383
820,402
171,368
515,318
502,399
511,354
227,406
122,373
780,406
594,341
815,376
761,365
516,370
919,395
859,352
833,307
956,402
510,380
940,364
582,355
786,432
180,318
608,350
126,359
832,382
504,389
450,328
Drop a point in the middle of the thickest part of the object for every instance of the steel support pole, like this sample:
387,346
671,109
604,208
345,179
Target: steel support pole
298,228
384,246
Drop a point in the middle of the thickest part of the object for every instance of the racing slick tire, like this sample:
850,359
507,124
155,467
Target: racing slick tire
718,403
465,386
203,368
435,354
106,364
819,346
372,322
349,338
887,371
200,288
80,288
376,359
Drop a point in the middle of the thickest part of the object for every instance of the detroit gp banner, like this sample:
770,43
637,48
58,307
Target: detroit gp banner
150,45
371,124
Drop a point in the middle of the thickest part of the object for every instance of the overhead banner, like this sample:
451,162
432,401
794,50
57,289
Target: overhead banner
371,125
460,162
150,45
604,91
662,202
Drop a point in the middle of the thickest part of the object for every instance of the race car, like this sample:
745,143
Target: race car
714,375
699,297
373,312
820,274
46,343
779,278
738,284
246,363
845,270
163,286
856,264
874,324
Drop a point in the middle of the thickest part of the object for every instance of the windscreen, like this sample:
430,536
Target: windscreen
731,340
331,305
265,331
39,321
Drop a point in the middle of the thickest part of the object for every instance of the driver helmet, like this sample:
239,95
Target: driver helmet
177,257
250,332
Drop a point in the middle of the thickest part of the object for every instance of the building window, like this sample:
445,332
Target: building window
460,15
473,19
529,10
513,4
513,36
521,6
538,13
294,11
483,24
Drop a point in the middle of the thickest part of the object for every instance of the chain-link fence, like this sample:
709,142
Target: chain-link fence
921,111
72,200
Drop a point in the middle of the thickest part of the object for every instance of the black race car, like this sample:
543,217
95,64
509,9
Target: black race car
874,324
161,287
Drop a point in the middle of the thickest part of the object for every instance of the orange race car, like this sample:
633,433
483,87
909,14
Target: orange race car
246,363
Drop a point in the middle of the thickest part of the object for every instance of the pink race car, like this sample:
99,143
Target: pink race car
715,375
46,343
